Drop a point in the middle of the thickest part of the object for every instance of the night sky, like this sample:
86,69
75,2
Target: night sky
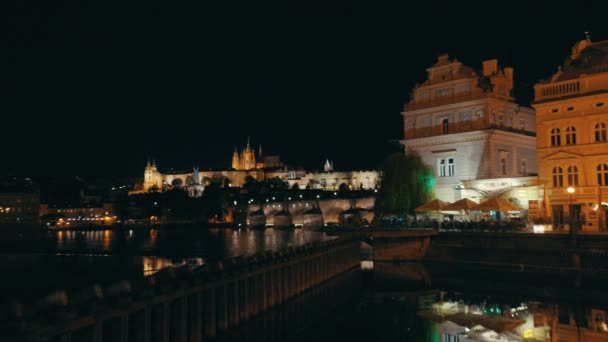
95,89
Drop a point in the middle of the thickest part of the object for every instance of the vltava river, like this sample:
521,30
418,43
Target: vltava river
84,258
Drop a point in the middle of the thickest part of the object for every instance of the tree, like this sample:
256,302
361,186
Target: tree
406,184
295,187
251,185
177,182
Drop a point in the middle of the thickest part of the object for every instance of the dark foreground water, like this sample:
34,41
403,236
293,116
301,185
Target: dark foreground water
83,258
437,303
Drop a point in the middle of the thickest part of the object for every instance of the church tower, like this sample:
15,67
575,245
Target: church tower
236,160
152,178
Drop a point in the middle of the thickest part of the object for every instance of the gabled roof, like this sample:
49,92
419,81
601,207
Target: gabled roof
562,155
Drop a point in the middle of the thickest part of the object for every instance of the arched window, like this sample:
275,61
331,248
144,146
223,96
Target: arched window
602,174
556,138
571,135
572,176
600,132
558,177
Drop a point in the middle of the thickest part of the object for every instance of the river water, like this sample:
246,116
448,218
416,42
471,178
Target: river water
84,258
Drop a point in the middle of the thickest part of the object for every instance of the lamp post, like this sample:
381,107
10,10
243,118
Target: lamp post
571,210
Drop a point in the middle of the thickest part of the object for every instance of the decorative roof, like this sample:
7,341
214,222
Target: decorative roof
587,58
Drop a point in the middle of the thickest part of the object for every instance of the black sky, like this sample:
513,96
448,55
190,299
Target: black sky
95,88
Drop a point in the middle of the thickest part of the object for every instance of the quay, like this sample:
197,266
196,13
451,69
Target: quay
183,304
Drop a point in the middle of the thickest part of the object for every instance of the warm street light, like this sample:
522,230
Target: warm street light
572,228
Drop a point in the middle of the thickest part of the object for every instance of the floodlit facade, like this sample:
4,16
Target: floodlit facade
467,127
572,122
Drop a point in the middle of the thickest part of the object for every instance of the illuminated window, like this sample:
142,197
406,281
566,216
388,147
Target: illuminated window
558,177
602,174
524,167
571,135
572,175
442,170
450,167
556,139
445,126
600,132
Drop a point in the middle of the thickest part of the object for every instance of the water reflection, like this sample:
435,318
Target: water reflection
211,244
153,264
460,303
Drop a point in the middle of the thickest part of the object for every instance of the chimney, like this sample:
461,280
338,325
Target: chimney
509,75
490,67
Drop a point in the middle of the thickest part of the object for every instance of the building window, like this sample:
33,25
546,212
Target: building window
524,167
503,165
442,170
572,175
602,174
501,120
450,167
446,167
571,135
600,132
558,177
445,126
556,139
522,124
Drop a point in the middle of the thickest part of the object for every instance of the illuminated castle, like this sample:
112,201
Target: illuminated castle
246,160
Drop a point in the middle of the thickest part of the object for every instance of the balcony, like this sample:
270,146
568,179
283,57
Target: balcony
457,98
459,127
566,88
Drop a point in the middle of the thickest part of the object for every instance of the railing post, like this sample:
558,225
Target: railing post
195,326
147,324
210,316
222,307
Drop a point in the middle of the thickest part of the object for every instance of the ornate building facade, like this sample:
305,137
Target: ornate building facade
572,122
467,127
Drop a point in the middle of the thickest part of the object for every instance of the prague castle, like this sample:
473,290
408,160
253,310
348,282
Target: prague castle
246,163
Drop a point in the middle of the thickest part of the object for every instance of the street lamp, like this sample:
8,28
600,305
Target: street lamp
572,228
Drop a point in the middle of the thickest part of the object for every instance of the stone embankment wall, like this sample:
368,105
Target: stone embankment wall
180,304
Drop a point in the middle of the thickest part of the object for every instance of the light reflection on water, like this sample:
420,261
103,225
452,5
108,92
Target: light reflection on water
176,246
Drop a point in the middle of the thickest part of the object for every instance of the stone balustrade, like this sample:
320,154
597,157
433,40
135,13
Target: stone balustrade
181,304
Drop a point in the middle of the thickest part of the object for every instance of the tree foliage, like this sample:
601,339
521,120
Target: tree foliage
406,184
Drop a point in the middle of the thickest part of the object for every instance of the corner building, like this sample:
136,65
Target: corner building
572,120
466,125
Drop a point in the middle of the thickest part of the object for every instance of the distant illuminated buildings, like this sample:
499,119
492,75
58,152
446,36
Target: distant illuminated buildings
572,122
19,201
467,127
246,163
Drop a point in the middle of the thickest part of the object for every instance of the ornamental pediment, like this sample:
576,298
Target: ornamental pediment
562,155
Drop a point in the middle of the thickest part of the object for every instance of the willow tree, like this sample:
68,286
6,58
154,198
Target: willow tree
406,184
